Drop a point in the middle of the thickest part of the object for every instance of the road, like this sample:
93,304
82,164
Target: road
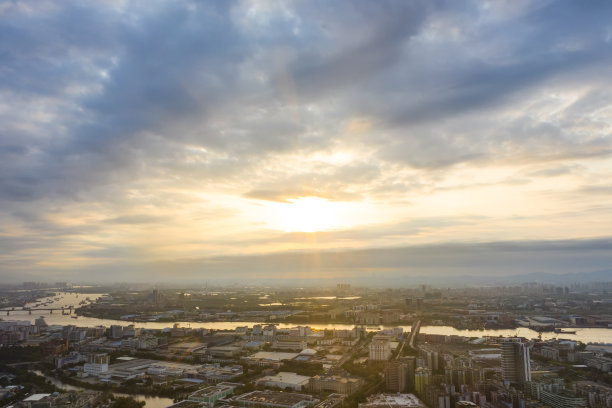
413,333
358,348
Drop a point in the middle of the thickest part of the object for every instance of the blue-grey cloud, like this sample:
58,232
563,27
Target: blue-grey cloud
488,262
174,63
105,102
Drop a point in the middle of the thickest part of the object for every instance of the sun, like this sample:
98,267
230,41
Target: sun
308,214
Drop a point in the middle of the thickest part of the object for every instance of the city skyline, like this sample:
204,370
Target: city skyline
347,140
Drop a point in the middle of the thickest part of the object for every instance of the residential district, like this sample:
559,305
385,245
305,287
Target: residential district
367,364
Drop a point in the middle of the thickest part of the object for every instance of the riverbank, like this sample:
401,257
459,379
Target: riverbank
585,335
151,401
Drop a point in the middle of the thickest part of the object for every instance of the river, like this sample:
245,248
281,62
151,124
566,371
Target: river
585,335
151,402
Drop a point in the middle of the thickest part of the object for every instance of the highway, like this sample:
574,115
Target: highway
416,326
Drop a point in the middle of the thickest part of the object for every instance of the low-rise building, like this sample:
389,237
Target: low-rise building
72,358
185,348
147,343
210,395
267,358
334,383
96,364
285,380
214,373
392,401
224,351
289,343
187,404
274,399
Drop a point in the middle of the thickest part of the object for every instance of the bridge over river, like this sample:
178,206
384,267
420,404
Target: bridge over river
65,310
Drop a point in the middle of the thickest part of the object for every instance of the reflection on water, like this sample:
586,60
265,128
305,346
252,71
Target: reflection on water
593,335
329,298
151,402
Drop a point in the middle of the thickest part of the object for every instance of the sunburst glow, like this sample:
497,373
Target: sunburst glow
308,214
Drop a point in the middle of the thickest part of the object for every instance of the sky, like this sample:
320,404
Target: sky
167,140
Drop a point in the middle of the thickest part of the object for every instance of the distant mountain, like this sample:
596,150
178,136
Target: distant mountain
469,280
382,281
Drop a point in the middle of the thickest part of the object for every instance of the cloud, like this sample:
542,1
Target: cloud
333,182
136,219
198,74
121,116
489,262
556,171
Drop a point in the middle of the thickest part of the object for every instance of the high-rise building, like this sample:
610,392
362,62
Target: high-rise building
41,323
431,357
399,374
421,379
269,332
396,374
516,367
461,376
380,348
343,288
411,363
116,331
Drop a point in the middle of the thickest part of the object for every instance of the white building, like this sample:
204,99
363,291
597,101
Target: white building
380,349
96,364
95,369
285,380
300,331
392,401
269,332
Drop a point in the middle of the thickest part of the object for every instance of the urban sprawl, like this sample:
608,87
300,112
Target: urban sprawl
324,348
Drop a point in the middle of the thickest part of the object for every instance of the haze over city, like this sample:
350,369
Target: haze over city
350,141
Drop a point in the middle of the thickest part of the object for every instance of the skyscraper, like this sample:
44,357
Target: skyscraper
516,367
399,374
419,304
380,348
421,379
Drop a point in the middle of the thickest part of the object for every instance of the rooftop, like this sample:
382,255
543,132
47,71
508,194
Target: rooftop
393,401
36,397
186,404
336,378
212,390
272,355
273,397
286,377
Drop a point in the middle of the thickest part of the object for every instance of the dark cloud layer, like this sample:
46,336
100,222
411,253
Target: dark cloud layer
484,263
153,67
